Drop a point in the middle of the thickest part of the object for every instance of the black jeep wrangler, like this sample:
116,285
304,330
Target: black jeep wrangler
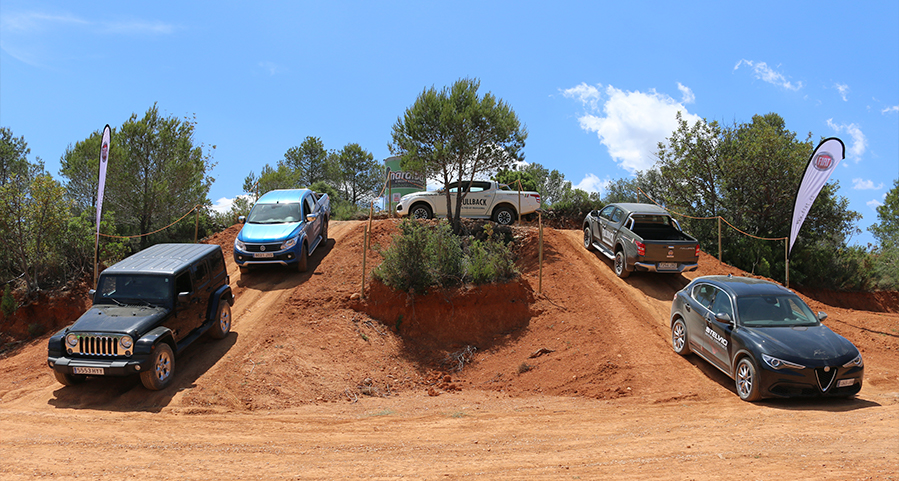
146,309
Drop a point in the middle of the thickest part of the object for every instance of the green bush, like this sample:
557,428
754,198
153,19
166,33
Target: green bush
7,303
423,256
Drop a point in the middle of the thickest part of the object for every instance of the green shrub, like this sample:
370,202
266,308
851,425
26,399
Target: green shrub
422,256
7,303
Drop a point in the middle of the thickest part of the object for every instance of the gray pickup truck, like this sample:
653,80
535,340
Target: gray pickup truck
640,237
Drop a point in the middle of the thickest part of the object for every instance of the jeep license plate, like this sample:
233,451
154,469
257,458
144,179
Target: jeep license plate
845,382
263,255
93,371
667,266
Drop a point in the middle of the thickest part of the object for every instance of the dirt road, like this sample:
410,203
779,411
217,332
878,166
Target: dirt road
306,387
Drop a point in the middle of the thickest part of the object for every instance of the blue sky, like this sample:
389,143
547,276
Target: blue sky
596,83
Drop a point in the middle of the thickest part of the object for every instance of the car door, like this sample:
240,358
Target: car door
603,231
478,199
313,229
717,333
696,309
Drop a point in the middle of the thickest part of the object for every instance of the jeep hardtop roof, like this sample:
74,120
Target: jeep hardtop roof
162,259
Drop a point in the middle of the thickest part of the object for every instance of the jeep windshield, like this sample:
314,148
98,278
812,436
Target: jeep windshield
774,311
274,214
125,289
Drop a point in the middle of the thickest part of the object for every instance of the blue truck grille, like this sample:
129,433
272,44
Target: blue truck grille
263,247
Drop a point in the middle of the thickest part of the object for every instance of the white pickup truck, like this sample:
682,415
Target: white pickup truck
482,200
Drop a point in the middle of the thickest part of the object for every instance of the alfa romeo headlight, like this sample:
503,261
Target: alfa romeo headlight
71,340
780,363
857,362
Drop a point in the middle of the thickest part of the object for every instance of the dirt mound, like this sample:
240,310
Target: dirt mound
575,330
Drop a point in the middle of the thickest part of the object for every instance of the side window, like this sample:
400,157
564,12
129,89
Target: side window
616,215
607,212
201,273
183,284
704,295
722,304
216,263
307,207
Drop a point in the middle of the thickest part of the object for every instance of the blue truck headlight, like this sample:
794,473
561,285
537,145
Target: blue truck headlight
240,245
289,243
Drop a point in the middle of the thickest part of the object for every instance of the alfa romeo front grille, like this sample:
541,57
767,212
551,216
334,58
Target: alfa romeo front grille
98,345
825,377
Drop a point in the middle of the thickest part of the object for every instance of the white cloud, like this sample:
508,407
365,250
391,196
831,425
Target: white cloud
765,73
34,22
223,205
894,108
874,204
862,184
586,94
859,141
687,96
592,183
843,89
270,67
629,124
138,27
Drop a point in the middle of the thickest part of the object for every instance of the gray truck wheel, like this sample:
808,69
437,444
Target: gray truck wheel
621,265
163,369
421,211
504,216
588,238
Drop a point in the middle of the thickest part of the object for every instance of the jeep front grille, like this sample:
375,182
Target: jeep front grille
97,345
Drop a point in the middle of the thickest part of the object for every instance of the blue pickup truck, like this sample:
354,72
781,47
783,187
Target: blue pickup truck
284,227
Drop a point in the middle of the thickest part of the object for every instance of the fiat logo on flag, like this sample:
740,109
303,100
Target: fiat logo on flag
823,161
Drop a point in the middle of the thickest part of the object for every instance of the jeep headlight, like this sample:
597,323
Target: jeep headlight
780,363
240,245
71,340
289,243
126,342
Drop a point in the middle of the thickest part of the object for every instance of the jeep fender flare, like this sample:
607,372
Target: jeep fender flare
146,343
223,292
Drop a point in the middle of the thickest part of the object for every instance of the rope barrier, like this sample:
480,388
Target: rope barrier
155,231
715,217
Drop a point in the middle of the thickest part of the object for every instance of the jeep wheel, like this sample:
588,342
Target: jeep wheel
421,211
621,265
222,321
504,216
162,370
68,379
303,259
